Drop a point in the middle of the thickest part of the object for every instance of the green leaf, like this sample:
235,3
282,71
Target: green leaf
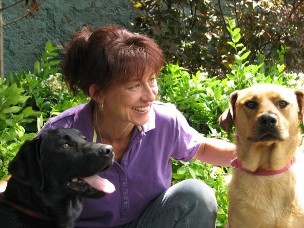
12,109
236,32
245,55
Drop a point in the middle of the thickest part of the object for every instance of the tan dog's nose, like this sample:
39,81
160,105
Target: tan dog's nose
268,120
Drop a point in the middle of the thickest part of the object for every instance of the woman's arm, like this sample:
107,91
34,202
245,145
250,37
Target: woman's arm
216,151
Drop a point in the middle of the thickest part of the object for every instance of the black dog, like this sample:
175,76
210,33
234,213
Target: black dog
49,178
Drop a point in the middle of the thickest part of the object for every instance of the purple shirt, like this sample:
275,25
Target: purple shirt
145,170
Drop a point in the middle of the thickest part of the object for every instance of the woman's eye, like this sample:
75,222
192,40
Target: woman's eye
282,104
152,81
65,146
251,104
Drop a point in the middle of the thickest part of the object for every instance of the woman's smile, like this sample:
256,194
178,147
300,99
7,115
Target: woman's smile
142,109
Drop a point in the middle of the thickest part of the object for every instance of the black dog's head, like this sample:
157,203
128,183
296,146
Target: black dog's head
61,161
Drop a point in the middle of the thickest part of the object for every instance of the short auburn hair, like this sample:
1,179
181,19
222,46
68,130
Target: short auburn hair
107,56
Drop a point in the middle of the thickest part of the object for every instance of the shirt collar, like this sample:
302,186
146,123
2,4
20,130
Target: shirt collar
151,122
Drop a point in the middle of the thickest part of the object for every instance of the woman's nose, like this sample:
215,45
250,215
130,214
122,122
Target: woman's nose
150,93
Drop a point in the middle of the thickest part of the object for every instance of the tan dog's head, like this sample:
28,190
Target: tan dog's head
266,118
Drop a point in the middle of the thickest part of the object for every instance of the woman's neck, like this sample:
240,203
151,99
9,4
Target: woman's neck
117,135
110,130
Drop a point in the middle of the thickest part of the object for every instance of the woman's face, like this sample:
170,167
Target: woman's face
131,102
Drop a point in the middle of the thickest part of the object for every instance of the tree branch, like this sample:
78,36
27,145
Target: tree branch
17,19
4,8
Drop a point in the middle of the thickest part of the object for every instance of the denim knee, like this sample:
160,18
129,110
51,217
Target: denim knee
187,204
194,193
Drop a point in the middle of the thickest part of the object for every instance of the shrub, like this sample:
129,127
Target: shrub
29,99
45,87
194,33
13,116
207,96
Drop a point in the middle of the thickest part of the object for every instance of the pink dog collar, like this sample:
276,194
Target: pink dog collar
236,163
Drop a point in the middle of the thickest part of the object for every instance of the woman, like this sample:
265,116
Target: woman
118,69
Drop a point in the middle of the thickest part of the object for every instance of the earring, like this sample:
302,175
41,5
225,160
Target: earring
101,107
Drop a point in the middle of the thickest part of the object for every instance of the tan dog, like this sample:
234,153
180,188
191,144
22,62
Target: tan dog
266,189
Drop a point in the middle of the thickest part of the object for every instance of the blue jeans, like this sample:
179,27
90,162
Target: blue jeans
187,204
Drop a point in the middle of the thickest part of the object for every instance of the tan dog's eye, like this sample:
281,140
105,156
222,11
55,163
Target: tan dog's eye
282,104
251,104
65,146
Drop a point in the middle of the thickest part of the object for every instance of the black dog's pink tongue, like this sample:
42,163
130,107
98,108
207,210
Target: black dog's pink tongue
101,184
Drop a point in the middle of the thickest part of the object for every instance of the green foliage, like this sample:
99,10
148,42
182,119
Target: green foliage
194,33
211,175
207,96
13,116
28,99
45,87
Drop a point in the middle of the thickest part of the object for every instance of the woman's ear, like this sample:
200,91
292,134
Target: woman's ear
95,93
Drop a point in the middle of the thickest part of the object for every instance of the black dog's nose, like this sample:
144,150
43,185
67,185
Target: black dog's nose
106,149
268,120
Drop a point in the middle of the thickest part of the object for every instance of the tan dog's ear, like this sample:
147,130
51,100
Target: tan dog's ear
300,99
226,119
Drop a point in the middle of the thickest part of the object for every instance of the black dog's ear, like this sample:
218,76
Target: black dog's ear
25,167
227,117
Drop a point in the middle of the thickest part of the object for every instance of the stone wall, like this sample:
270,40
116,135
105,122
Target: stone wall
24,40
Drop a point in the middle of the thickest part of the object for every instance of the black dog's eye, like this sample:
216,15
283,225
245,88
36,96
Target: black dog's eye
65,146
282,104
251,104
